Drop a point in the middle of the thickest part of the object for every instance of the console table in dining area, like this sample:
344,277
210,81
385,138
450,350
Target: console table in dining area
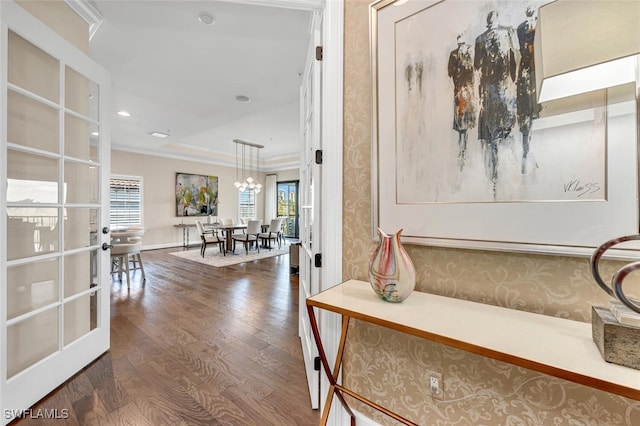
185,232
554,346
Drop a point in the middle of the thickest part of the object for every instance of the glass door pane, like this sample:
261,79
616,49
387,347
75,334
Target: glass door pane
32,69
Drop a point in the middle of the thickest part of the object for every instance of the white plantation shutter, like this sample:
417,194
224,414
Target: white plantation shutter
125,196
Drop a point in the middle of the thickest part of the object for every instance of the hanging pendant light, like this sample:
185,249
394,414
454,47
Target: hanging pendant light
237,183
246,180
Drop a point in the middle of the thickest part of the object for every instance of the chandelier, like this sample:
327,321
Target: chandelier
246,167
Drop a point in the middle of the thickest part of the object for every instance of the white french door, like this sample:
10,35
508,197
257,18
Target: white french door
310,204
54,164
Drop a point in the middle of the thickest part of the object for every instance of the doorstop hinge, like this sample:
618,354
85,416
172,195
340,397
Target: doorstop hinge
316,363
317,260
318,53
318,156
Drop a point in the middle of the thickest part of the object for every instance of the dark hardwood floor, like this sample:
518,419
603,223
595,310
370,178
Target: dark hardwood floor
196,345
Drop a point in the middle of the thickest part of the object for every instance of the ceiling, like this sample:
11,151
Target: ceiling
176,75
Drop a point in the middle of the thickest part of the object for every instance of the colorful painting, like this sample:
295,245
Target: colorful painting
196,195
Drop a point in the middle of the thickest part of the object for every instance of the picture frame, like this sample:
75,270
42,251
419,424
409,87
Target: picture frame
577,185
196,195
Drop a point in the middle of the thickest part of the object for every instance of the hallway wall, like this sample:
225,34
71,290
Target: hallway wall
392,368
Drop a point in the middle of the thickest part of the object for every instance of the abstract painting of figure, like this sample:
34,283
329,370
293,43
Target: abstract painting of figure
528,106
461,71
495,59
466,112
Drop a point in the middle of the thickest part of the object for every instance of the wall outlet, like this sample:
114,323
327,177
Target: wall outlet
436,386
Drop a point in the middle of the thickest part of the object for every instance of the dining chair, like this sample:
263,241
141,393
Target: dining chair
249,237
210,237
272,233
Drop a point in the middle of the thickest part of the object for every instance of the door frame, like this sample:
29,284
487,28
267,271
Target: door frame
332,157
332,173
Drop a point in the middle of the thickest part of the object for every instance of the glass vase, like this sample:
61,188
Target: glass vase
391,271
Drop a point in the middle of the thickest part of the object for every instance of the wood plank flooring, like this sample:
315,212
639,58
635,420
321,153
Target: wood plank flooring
196,345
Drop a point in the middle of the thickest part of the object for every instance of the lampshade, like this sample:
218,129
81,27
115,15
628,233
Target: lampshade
585,45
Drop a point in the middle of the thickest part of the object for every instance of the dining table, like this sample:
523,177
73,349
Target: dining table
227,230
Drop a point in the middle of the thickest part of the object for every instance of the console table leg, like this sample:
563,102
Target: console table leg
331,376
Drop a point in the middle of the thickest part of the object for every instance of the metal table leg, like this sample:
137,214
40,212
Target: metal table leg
334,388
337,389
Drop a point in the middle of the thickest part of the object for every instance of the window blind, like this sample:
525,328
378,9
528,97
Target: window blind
125,201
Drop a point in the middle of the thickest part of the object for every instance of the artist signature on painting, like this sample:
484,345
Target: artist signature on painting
581,189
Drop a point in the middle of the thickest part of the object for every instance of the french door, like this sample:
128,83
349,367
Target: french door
54,165
310,208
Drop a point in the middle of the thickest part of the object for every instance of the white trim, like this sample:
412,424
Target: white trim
362,420
165,245
3,196
289,4
274,167
332,175
89,13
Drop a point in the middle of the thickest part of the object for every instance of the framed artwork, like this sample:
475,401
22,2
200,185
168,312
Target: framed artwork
196,195
465,156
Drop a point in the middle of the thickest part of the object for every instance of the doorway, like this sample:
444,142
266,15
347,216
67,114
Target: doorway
288,206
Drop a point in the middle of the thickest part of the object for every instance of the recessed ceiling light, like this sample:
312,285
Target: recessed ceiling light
124,113
160,135
242,98
206,18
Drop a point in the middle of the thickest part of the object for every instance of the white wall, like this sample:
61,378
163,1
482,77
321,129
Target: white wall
290,174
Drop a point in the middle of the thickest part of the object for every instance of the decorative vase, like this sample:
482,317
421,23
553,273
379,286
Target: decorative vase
391,271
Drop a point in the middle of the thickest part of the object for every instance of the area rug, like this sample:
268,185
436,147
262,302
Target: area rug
213,257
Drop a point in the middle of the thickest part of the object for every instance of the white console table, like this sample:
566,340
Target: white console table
553,346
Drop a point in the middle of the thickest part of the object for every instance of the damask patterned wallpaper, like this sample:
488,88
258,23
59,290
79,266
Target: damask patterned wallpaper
392,368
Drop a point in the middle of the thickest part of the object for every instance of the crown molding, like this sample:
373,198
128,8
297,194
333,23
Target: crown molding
289,4
283,163
88,12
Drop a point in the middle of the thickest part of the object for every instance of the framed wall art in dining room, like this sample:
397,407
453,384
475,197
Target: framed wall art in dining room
464,155
196,195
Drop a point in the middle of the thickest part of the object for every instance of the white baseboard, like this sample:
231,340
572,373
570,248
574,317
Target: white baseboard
362,420
162,246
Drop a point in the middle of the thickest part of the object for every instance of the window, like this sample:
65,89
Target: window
125,196
247,206
288,206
